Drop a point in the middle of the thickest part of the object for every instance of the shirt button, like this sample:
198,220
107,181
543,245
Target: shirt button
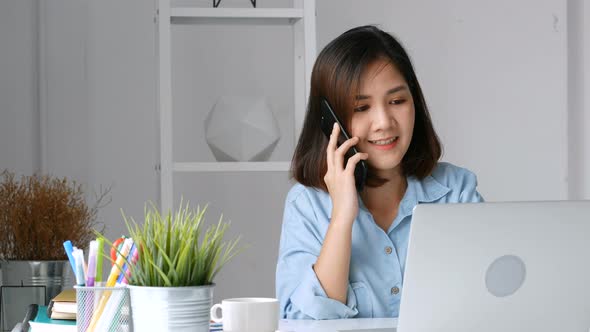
388,250
394,290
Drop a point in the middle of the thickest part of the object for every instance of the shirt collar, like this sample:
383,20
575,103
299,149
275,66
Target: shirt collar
418,191
421,191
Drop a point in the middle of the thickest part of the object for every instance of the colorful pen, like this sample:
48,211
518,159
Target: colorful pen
121,278
91,274
69,249
115,270
99,253
134,256
79,259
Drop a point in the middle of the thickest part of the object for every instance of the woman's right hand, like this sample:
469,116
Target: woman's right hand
340,178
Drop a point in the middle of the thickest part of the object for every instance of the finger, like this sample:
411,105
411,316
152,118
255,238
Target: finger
342,149
352,161
332,142
347,145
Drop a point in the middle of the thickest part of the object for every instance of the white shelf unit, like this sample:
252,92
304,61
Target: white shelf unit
294,13
302,18
258,166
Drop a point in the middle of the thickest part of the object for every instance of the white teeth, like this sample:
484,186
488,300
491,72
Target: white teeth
384,142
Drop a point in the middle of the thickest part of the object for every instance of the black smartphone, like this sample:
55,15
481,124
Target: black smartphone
327,124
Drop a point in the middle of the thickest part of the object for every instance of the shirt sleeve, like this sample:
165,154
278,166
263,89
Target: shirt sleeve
299,291
469,193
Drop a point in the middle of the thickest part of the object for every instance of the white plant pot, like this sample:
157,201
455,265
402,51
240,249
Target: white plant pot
171,308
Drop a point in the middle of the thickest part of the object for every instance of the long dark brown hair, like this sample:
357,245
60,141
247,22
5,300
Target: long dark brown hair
336,76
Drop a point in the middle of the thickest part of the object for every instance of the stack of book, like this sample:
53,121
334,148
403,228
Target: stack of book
63,306
39,322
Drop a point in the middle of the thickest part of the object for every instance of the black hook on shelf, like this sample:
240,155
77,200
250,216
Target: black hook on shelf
216,4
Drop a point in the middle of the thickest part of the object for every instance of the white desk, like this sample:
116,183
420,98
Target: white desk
336,325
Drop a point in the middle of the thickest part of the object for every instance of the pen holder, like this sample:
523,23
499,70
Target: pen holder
103,309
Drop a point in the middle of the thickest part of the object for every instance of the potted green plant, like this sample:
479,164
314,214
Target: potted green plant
37,214
171,283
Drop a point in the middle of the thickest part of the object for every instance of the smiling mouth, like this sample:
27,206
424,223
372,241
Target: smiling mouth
385,141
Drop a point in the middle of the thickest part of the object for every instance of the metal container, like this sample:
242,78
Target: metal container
171,308
103,308
26,282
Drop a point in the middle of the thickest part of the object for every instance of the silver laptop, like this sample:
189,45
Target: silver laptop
498,267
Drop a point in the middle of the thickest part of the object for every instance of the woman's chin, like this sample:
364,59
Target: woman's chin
385,167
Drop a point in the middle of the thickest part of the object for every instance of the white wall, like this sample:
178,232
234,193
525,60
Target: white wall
122,105
586,99
101,105
577,154
19,117
584,149
65,89
495,77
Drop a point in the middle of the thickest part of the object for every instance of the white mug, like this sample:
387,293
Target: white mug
247,314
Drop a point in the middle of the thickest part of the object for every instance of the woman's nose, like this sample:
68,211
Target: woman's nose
382,118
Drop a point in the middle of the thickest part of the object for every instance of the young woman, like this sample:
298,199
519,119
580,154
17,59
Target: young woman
342,252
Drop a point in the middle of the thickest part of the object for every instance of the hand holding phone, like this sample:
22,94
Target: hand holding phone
328,118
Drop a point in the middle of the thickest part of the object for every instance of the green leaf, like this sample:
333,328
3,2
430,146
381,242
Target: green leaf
176,249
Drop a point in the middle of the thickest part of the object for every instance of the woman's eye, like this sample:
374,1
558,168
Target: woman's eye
361,108
397,101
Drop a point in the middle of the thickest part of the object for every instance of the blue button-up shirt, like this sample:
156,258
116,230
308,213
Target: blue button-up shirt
378,258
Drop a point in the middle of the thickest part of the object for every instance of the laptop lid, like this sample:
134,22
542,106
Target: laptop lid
498,267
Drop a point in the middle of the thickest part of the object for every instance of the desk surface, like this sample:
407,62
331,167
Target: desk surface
337,325
361,324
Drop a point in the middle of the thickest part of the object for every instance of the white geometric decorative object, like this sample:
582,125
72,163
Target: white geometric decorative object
241,128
